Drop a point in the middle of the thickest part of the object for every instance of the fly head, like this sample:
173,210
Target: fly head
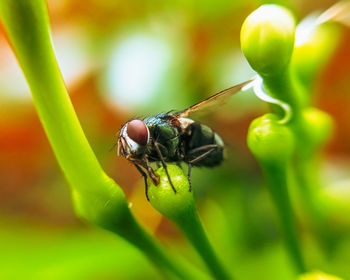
133,139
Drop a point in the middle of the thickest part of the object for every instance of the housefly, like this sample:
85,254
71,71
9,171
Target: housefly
172,137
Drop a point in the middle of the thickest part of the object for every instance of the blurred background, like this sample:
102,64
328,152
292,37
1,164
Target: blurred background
126,59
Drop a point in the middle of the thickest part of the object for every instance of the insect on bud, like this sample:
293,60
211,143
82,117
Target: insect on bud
267,39
269,141
163,198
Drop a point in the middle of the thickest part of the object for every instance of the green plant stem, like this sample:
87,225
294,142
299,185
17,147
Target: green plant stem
191,226
276,177
308,181
304,165
273,145
133,232
306,174
97,197
283,87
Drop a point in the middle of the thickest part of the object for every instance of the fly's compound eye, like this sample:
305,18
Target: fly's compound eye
138,132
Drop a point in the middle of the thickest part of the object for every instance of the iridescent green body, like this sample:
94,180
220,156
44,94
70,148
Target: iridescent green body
186,141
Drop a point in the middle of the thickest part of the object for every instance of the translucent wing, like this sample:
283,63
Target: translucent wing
214,99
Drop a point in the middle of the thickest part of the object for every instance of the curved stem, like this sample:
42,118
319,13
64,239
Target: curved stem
283,87
191,226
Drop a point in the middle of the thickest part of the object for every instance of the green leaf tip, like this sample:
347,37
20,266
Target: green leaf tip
164,199
267,39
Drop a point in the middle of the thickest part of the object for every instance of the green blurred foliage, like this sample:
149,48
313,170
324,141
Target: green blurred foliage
36,251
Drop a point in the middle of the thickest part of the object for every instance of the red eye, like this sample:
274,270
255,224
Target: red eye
138,132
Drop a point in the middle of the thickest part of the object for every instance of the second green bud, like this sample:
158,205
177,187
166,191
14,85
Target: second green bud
270,141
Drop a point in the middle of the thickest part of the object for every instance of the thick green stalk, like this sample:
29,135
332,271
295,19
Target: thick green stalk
97,197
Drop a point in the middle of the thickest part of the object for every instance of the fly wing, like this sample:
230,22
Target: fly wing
213,100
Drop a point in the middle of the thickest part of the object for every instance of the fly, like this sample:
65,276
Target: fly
172,137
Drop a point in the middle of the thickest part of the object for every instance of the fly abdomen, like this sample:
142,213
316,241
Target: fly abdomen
203,147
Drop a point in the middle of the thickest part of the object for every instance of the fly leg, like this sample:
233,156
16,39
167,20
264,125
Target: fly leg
205,147
145,178
156,145
204,155
146,171
189,176
154,177
200,157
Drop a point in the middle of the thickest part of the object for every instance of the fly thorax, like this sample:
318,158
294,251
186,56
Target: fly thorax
185,122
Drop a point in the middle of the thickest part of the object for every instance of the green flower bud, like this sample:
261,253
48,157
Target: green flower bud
313,49
164,199
180,208
270,141
317,127
267,39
